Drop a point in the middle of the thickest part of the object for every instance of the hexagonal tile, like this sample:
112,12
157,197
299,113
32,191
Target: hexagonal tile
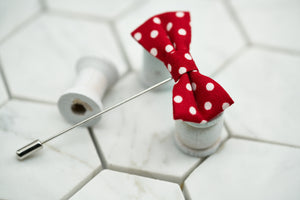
14,12
115,185
70,160
214,36
3,93
102,8
266,91
138,136
39,61
273,22
247,170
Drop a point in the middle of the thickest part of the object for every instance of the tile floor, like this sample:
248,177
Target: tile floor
251,47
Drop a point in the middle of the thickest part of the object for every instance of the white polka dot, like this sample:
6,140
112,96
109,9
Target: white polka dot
225,105
178,99
169,26
169,67
193,110
169,48
182,70
156,20
210,86
153,51
138,36
188,87
179,14
154,34
203,122
182,31
194,86
188,56
207,105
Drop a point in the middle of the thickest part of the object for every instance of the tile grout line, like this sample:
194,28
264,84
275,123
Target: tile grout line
231,59
4,103
81,184
194,168
134,5
185,193
82,15
231,135
94,173
232,12
77,16
203,160
142,173
32,100
268,47
43,5
98,149
229,131
105,166
5,81
265,141
113,28
95,19
19,27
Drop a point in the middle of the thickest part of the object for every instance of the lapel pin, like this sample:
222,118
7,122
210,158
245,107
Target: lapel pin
198,101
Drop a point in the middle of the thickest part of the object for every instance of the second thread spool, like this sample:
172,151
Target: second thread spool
154,71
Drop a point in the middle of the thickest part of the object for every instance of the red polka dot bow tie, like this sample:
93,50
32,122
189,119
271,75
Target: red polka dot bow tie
196,98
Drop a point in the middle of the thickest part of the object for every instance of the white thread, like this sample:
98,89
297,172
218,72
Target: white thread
154,71
94,76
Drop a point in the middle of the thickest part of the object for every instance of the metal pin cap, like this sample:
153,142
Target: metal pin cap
29,149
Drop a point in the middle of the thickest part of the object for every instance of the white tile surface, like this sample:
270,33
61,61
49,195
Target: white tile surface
214,36
14,12
101,8
138,136
247,170
266,90
40,121
39,61
53,172
115,185
273,22
3,93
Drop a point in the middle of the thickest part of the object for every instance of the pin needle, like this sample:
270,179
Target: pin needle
36,145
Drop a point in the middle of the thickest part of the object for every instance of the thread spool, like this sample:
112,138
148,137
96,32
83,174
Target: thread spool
197,139
154,71
94,77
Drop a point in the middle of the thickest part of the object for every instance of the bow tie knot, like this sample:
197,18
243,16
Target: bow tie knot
179,62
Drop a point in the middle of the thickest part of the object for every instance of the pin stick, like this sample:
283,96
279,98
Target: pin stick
36,145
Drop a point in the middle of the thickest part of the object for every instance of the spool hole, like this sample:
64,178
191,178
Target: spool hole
78,109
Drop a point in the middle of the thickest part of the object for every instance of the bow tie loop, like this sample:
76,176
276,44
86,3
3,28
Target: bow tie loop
179,62
162,34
